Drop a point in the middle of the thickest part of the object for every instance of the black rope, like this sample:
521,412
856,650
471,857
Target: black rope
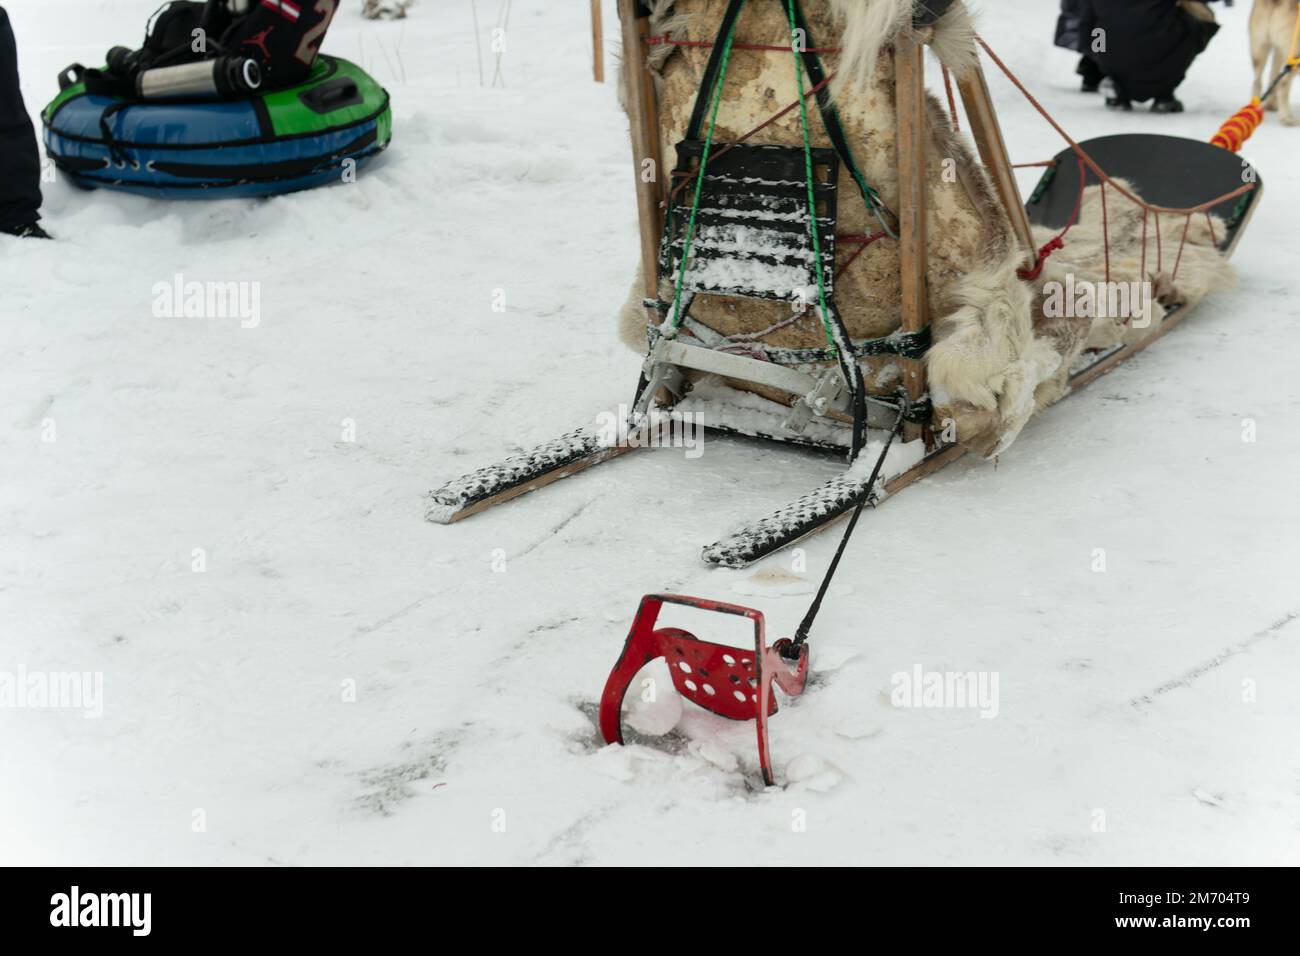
1277,82
859,412
791,651
116,154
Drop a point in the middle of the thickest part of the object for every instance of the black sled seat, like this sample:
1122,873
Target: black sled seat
1164,170
751,230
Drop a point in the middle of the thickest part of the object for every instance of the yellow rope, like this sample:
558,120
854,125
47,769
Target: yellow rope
1294,58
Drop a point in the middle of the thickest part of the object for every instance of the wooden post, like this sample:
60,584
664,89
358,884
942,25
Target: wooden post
909,67
644,117
597,43
986,129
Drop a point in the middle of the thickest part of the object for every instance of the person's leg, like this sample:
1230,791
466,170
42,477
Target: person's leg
1117,97
1091,73
1202,28
20,163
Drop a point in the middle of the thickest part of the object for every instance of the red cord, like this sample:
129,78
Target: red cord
1057,241
1179,261
1143,272
952,102
664,40
1105,231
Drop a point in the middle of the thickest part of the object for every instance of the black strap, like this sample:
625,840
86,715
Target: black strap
703,97
835,131
106,130
266,172
910,345
1286,71
791,650
859,411
834,128
70,76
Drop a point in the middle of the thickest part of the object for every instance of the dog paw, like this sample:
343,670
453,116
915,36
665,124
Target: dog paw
1290,121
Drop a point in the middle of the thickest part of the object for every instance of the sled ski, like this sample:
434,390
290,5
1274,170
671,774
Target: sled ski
814,512
520,474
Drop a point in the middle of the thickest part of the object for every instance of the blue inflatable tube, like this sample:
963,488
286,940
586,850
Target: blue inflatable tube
263,145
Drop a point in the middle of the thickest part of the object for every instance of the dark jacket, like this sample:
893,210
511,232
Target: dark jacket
1069,32
1148,44
20,164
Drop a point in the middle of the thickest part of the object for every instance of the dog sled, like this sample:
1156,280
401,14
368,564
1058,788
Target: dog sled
828,256
830,265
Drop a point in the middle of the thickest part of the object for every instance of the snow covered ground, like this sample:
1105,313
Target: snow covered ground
344,682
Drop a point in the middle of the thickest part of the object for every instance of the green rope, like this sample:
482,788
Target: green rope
808,176
699,182
831,116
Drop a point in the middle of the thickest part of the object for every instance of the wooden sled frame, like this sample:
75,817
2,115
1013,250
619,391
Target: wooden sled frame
826,505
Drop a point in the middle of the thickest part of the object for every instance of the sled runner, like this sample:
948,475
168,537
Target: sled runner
835,206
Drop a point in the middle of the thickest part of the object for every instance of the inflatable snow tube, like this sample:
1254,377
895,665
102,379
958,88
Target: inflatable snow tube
263,145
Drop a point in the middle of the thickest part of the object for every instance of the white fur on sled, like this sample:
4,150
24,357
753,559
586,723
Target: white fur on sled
868,26
996,356
985,364
871,26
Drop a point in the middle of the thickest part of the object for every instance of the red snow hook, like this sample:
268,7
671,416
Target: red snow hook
725,680
720,678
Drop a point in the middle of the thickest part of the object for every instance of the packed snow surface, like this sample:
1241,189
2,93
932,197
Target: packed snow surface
224,519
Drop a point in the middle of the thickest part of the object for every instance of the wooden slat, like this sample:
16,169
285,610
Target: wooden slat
986,129
597,43
643,116
910,110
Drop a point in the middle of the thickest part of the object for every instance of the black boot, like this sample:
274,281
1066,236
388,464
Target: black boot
1167,104
28,230
1091,73
1116,98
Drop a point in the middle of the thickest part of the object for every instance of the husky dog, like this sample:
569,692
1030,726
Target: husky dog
1272,27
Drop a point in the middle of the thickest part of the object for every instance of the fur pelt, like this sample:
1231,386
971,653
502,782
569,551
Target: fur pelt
997,355
867,28
986,364
1000,357
966,226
